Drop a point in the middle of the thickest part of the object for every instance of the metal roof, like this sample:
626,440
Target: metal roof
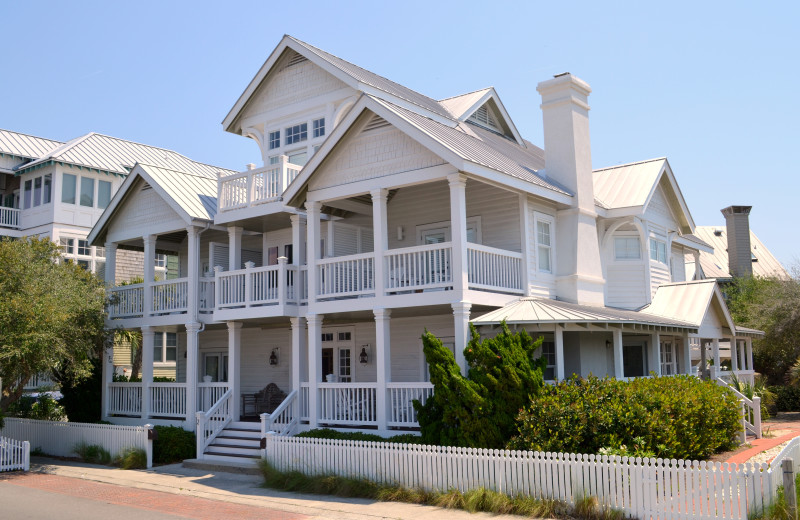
627,185
715,265
23,145
114,155
458,105
688,301
195,194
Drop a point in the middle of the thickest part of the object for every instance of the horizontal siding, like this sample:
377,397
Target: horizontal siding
659,275
626,285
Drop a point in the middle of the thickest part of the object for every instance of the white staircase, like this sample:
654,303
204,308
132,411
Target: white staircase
239,441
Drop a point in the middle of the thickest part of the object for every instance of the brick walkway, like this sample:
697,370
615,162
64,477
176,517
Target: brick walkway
181,506
784,427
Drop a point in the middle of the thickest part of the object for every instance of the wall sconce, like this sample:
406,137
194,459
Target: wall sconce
274,357
363,357
399,233
608,343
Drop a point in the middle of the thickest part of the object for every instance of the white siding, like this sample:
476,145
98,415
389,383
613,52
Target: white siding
658,211
678,266
144,212
626,285
659,275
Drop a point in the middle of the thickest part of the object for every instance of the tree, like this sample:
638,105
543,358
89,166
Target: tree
51,315
771,305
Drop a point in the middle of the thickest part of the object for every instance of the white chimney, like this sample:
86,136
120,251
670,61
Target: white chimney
568,161
737,222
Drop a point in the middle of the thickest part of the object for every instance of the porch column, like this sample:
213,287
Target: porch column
234,248
687,354
525,233
734,342
461,332
111,264
749,353
192,353
619,368
298,350
715,353
234,365
383,365
380,239
149,273
702,372
458,231
314,360
193,273
655,353
108,378
559,340
148,336
298,239
312,251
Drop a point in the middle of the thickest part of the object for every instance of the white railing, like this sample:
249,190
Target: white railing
401,402
14,455
304,401
347,403
419,268
171,296
210,423
257,286
751,418
263,282
231,288
283,419
127,301
304,284
168,399
206,304
208,394
257,186
9,217
494,269
351,275
125,399
38,381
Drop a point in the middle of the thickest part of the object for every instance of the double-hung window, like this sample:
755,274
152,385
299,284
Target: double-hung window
165,347
297,133
658,250
544,228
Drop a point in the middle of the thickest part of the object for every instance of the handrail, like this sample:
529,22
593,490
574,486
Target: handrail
212,422
167,282
494,250
754,425
334,259
283,419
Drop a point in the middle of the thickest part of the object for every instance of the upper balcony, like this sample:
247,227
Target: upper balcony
9,218
243,195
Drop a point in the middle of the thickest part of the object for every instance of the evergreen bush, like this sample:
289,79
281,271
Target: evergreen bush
174,444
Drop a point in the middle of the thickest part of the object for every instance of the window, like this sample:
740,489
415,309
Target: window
543,246
297,133
160,260
319,127
165,347
658,250
344,366
549,354
83,248
67,245
667,358
484,116
68,184
274,159
299,158
103,194
87,192
215,365
47,190
345,336
37,191
79,250
274,139
327,336
627,248
28,193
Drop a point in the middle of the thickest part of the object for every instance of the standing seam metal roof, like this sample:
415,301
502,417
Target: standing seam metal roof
23,145
196,194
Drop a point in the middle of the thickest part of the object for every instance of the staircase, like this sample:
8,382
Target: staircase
238,442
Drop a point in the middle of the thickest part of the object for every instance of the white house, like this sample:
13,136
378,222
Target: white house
379,213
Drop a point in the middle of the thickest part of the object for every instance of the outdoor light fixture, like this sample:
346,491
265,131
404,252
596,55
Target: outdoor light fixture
364,357
273,357
399,232
608,343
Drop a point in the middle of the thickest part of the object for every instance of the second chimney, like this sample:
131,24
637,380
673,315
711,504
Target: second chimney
737,222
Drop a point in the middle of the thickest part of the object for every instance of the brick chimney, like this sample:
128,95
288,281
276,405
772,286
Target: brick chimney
568,161
737,221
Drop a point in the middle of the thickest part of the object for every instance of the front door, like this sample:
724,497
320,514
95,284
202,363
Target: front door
633,360
337,354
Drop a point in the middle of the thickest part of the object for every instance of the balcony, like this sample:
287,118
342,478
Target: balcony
254,187
169,297
9,218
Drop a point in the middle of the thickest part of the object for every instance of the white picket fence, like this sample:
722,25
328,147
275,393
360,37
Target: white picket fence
14,455
60,438
643,488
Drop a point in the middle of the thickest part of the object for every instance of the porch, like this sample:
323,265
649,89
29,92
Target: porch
241,195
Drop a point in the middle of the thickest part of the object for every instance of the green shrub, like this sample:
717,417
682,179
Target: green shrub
82,398
174,444
42,408
678,417
479,410
327,433
787,398
92,453
131,458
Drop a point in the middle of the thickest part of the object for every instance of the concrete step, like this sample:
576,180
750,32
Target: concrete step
224,464
232,449
245,425
237,441
224,455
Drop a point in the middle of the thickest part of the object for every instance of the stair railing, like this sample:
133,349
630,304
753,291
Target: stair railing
752,409
282,420
213,421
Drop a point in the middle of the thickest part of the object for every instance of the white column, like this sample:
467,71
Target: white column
458,231
715,346
235,364
234,248
192,353
380,240
147,346
525,233
149,272
383,365
299,349
703,368
314,360
749,354
559,340
193,273
687,354
461,332
298,239
111,263
108,378
619,368
655,353
312,245
734,342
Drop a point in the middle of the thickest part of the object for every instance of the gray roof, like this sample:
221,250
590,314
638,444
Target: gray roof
23,145
195,194
458,105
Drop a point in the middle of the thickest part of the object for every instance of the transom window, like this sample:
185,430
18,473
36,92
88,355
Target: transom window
274,139
627,248
165,347
297,133
658,250
319,127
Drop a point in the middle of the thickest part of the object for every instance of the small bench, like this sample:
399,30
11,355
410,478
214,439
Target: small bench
263,401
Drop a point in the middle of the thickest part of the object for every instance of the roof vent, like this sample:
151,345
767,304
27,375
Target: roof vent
295,59
717,232
146,187
484,116
375,123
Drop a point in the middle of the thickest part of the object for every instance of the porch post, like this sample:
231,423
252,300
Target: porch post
234,365
715,346
314,360
525,233
149,273
312,251
619,368
734,342
559,340
111,264
234,248
192,352
687,354
298,239
298,346
147,346
655,353
108,378
458,231
192,273
383,365
461,332
749,353
381,242
703,360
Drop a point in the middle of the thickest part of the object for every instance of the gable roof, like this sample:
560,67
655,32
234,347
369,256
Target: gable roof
715,264
24,145
629,188
116,156
689,301
463,106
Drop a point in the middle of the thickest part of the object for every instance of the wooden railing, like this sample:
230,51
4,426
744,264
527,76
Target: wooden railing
257,186
751,413
125,399
171,296
167,399
208,394
347,403
304,401
258,286
283,419
210,423
419,268
492,269
401,399
9,217
207,293
351,275
127,301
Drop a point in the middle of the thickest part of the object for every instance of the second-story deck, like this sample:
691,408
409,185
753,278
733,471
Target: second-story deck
241,194
9,218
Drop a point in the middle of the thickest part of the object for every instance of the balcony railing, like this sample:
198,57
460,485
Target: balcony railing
169,297
259,286
258,186
492,269
9,217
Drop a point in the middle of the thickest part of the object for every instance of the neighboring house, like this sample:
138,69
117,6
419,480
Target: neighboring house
59,190
380,213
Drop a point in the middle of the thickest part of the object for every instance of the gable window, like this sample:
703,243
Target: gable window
484,116
319,127
627,248
658,250
543,228
68,185
297,133
274,139
165,347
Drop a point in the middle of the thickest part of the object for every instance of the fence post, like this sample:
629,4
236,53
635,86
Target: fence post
26,456
199,433
150,432
263,441
789,488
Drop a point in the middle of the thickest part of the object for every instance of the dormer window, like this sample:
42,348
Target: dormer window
319,127
297,133
484,117
274,139
658,250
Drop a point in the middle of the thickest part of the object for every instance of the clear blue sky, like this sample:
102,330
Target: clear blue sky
710,85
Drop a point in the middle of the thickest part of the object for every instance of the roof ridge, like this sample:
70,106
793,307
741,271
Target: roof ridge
465,94
630,164
60,149
147,145
139,163
31,135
